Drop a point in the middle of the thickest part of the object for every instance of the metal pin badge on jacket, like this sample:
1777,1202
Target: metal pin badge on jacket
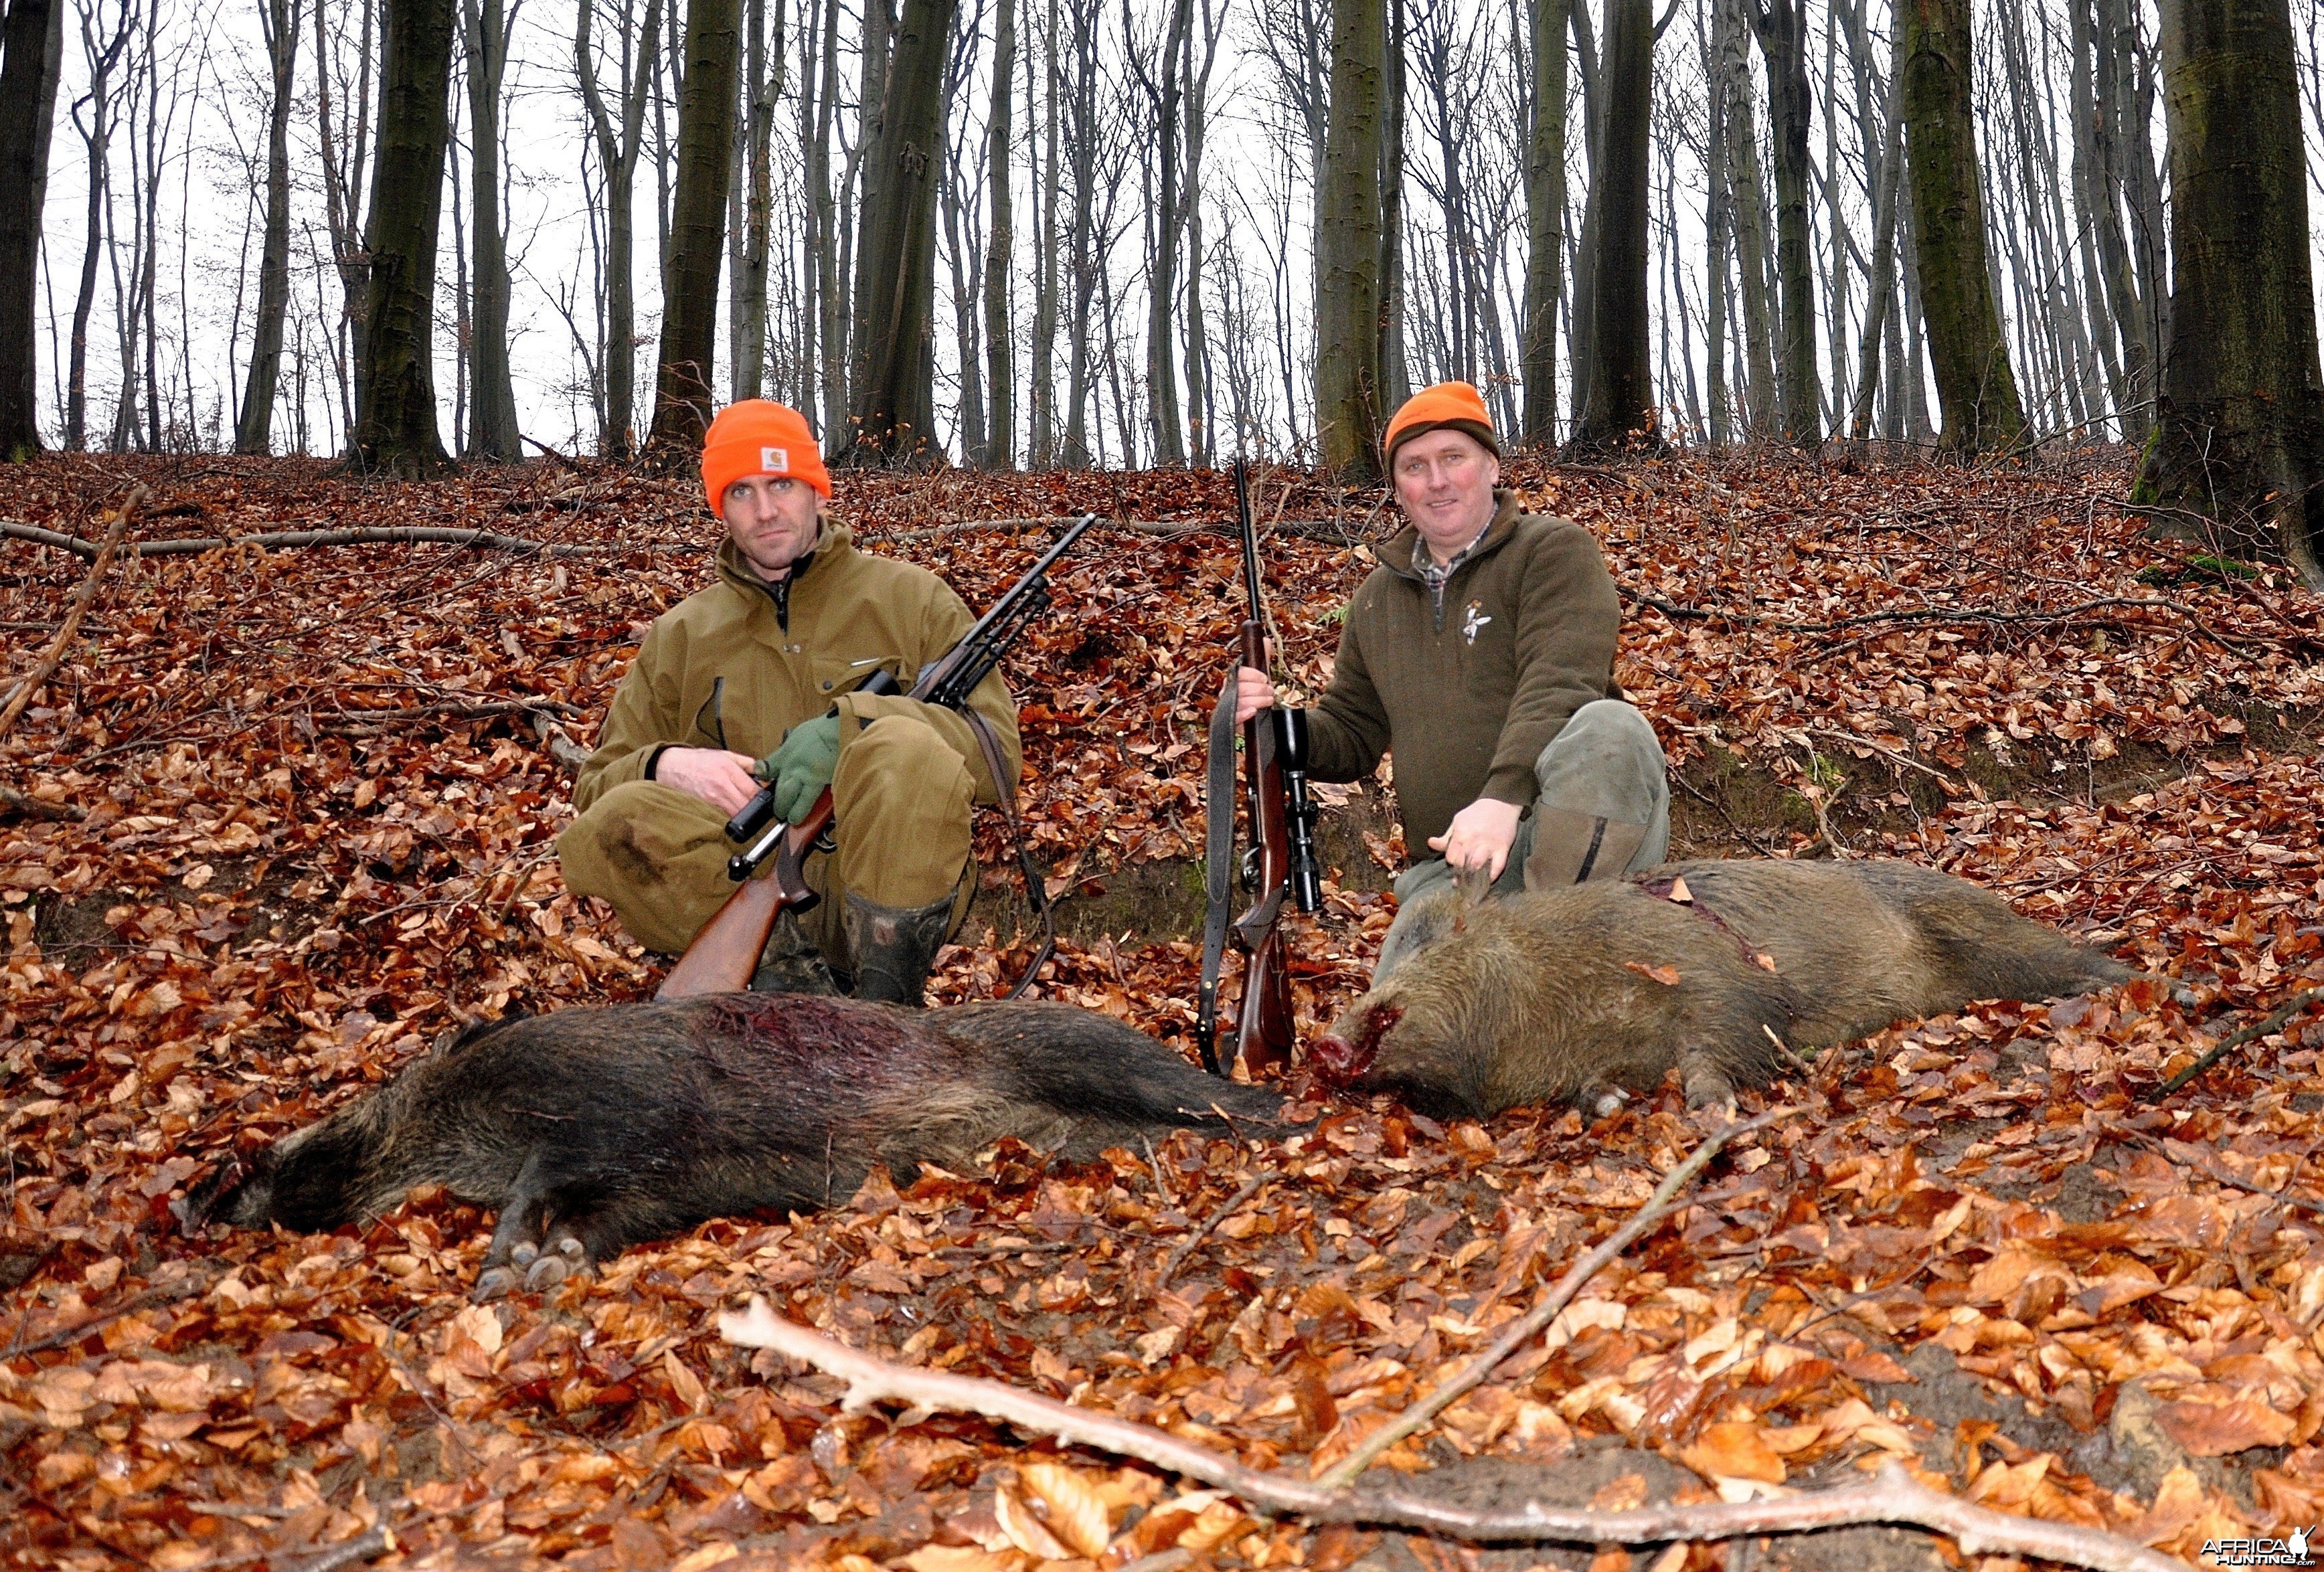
1473,621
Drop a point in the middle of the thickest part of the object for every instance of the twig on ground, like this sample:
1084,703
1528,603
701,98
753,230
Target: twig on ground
1526,1327
2282,1013
2186,1152
561,748
100,559
1186,1245
40,807
1893,1496
368,535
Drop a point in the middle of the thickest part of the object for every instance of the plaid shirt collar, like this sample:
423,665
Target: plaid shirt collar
1436,578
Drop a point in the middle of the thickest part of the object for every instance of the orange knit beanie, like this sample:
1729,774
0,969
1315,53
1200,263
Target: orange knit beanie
757,437
1457,405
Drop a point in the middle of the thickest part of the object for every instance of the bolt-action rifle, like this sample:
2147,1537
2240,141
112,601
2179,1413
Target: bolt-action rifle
726,952
1281,857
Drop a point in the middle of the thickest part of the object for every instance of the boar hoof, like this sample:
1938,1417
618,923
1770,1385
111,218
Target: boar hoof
1604,1102
523,1254
1707,1084
494,1282
569,1259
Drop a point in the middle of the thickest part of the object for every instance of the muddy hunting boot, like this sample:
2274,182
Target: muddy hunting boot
893,949
791,963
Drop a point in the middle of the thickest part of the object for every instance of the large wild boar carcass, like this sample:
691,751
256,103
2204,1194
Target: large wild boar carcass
595,1129
1572,995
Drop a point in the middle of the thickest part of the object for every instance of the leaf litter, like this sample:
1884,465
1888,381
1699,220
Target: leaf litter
282,817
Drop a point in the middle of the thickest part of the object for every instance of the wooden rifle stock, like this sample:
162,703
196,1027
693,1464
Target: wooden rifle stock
1265,1034
725,954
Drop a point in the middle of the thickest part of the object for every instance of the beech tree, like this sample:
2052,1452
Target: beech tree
1621,400
485,29
685,399
1975,389
1348,234
31,50
2237,452
894,407
253,430
395,430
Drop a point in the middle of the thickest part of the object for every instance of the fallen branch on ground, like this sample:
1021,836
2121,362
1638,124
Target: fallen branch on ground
1893,1496
2302,639
1526,1327
381,535
561,748
40,807
101,558
2283,1012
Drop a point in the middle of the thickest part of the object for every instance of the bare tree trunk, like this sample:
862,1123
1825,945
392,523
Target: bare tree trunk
1348,246
1747,188
1545,190
395,414
1043,394
2239,434
31,50
102,55
344,187
1781,29
1081,242
684,396
829,273
895,308
279,22
1001,442
1622,406
493,433
1879,309
1974,385
1201,392
617,155
952,179
764,86
1719,226
1164,92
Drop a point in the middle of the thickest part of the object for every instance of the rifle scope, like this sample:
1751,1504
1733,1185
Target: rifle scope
1298,807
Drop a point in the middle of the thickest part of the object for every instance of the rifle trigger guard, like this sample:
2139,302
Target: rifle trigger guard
1248,870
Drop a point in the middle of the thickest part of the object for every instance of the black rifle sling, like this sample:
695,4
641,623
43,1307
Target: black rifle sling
1037,893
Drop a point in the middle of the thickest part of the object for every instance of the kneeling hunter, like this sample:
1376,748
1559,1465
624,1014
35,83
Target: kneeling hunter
753,680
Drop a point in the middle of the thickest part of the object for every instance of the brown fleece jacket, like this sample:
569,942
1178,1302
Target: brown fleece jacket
1469,699
720,671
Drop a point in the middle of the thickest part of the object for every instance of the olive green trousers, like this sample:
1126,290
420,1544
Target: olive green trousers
900,799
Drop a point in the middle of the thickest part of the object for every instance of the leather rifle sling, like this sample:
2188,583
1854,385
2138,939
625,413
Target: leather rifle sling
1037,893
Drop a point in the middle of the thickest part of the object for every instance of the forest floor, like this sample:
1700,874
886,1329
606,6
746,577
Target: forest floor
282,817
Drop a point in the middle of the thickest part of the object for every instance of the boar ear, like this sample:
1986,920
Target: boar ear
1474,881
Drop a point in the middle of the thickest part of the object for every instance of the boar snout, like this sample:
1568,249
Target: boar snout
1343,1055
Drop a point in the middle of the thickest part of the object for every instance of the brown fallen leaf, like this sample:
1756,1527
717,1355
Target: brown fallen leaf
1734,1451
2214,1429
1666,975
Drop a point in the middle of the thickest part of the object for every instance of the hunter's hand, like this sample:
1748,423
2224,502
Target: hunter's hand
802,767
1482,832
718,777
1253,693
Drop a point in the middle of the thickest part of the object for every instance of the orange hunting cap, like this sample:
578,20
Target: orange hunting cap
1456,405
757,437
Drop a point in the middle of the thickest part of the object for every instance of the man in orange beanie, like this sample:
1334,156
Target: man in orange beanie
753,680
1480,652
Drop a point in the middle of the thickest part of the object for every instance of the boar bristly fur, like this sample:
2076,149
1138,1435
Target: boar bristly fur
1565,996
592,1130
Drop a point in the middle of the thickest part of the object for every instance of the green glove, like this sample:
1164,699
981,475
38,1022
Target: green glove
802,768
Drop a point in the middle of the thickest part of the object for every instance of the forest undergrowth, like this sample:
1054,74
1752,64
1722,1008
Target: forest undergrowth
282,817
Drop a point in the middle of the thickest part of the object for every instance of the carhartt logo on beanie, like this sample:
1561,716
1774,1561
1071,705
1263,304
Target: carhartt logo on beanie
757,437
1454,405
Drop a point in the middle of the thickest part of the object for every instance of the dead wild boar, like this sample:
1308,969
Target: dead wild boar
1572,994
592,1130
